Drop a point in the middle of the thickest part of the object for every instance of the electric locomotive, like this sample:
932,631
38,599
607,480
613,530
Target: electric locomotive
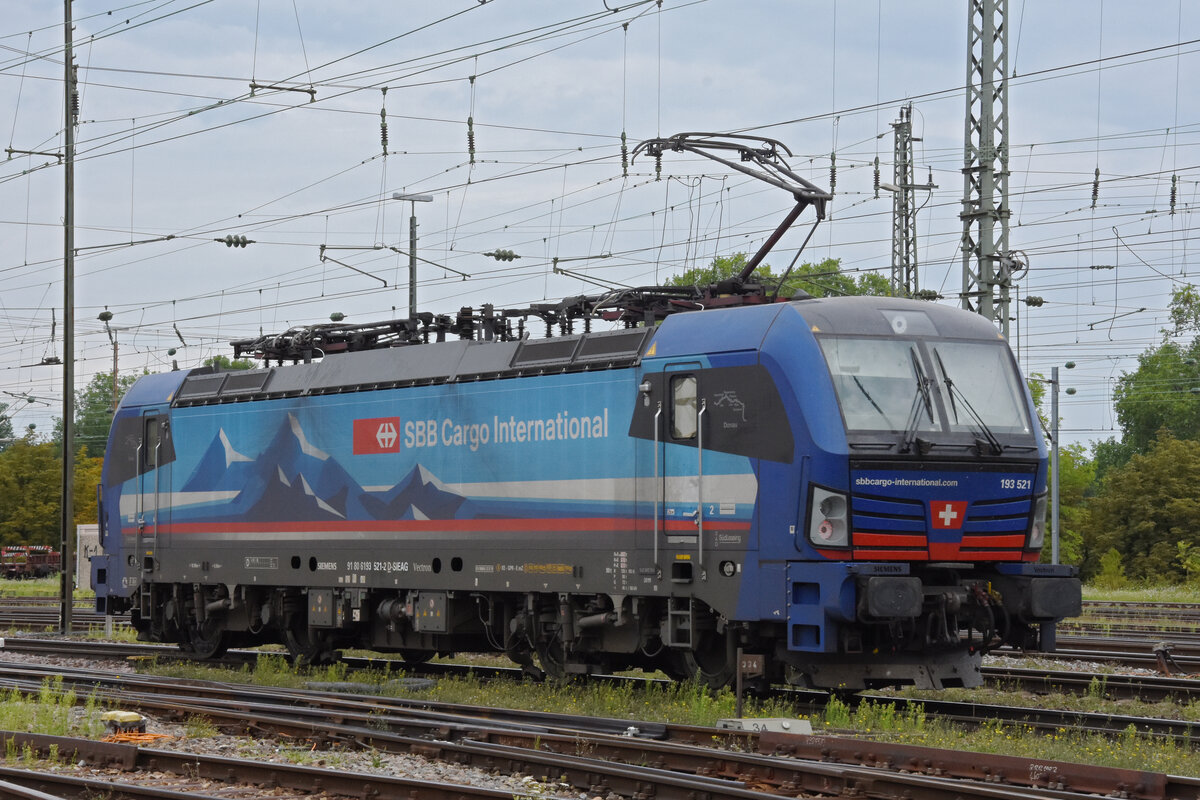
853,488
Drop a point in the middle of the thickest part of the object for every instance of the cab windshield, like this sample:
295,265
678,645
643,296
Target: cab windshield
912,386
979,376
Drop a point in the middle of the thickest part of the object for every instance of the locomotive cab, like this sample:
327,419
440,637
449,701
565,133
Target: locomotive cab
932,491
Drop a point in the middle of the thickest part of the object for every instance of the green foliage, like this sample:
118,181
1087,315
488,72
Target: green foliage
1158,395
94,410
1112,571
1076,477
1189,558
1108,454
1185,309
820,280
6,428
198,726
1146,507
51,710
31,491
225,363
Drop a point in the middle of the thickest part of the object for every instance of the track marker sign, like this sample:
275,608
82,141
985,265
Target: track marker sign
377,435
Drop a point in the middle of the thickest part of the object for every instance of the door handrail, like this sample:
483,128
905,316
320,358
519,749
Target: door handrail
700,482
659,485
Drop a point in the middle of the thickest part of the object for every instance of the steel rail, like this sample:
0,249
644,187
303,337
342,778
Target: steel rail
685,771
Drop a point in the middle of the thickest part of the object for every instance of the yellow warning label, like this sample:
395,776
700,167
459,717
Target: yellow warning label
548,569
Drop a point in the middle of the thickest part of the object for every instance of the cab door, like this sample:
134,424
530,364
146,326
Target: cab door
682,457
155,455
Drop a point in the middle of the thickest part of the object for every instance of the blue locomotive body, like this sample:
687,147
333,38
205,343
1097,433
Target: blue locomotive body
853,488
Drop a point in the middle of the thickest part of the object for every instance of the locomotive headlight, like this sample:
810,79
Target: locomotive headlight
828,525
1037,531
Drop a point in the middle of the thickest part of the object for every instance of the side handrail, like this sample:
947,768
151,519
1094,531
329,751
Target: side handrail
700,481
658,484
138,501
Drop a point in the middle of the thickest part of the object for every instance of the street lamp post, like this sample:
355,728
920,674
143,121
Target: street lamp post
1054,467
1054,453
412,245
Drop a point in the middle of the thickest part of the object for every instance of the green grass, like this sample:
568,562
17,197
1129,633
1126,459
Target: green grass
50,711
39,587
693,705
1179,593
1128,750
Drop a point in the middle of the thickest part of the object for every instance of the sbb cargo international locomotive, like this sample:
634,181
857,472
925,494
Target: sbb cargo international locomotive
854,488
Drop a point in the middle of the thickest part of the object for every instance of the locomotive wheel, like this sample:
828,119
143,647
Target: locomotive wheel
712,662
553,660
207,641
417,656
308,647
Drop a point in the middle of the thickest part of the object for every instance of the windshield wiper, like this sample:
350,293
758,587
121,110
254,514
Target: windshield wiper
870,399
914,413
992,442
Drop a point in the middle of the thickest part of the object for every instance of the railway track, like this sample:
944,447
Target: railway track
1148,688
602,756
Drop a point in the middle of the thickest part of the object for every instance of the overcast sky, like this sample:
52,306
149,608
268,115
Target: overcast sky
172,142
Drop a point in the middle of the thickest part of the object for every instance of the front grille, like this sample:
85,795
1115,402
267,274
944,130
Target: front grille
890,527
887,525
996,524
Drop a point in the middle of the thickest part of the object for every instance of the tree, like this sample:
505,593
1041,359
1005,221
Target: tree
225,363
1076,476
1185,309
94,410
1112,571
1145,508
1108,454
820,280
1163,393
30,490
6,428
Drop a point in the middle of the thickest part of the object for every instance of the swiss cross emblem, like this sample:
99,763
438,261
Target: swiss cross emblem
948,514
377,435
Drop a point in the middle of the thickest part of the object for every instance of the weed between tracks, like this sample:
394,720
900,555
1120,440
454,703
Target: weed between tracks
694,705
53,710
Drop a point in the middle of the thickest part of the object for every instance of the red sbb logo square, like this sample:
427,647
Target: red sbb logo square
378,435
948,514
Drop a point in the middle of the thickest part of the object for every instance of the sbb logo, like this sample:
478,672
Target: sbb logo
378,435
420,433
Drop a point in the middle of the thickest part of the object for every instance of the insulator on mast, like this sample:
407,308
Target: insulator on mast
471,124
1096,188
74,92
658,166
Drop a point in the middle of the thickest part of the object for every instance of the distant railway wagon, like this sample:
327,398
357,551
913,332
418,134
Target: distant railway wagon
29,561
853,488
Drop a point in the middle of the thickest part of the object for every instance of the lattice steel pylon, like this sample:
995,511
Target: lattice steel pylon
904,209
987,263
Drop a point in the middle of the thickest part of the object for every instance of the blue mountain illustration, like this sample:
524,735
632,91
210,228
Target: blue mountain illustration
293,480
420,495
221,468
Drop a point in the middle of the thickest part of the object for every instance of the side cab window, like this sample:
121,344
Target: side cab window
683,407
